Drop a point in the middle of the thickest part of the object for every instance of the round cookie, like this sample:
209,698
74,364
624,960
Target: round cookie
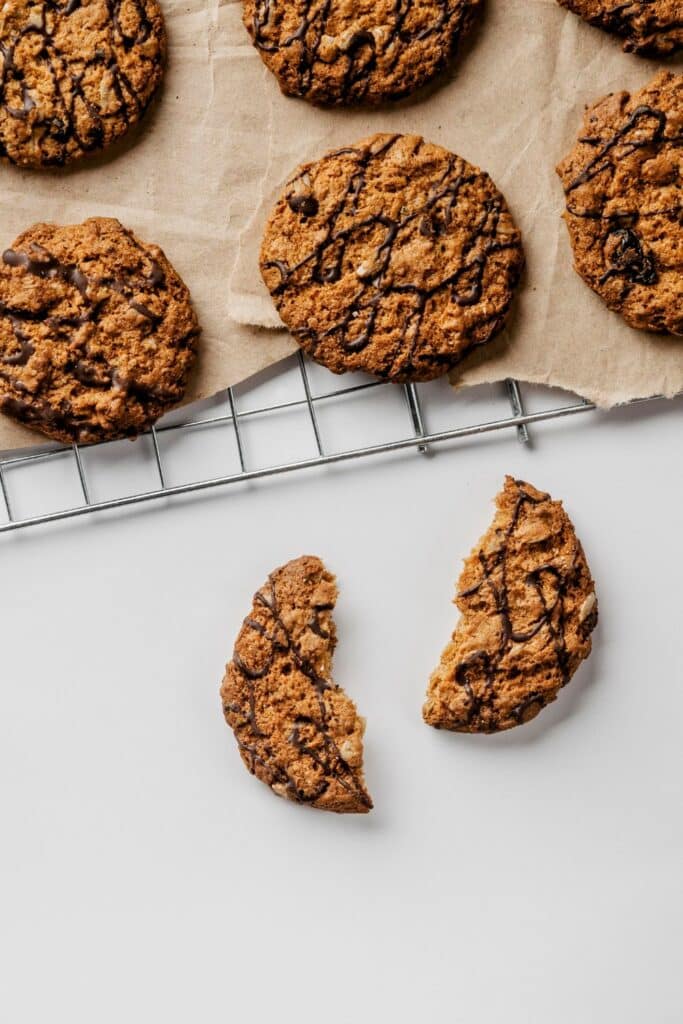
649,27
391,256
623,183
97,332
75,76
363,52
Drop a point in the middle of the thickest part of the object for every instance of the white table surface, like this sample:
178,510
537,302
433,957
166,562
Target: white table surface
532,878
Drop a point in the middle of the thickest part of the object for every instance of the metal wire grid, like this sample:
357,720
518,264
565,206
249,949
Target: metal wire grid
233,419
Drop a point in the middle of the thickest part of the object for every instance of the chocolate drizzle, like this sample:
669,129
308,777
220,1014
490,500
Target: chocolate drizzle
335,231
334,55
26,348
44,265
487,674
309,734
646,125
58,94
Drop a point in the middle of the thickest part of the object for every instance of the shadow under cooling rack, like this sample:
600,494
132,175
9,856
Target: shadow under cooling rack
284,420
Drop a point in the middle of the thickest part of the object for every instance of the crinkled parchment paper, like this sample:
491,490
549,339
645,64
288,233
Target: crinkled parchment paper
512,103
170,181
198,175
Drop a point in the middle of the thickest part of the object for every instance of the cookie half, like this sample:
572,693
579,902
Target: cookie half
392,256
652,28
296,730
623,184
528,608
338,52
97,331
75,76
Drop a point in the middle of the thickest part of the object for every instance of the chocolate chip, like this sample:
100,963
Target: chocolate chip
306,205
626,256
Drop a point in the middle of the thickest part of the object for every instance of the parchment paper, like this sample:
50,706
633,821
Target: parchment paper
513,105
169,181
200,172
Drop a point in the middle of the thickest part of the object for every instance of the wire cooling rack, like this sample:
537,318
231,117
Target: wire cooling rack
199,449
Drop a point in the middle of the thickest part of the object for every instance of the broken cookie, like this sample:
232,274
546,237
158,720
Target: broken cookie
297,731
528,609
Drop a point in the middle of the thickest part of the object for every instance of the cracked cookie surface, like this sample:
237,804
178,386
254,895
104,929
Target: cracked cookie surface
351,51
97,331
75,75
649,27
623,184
296,730
392,256
528,607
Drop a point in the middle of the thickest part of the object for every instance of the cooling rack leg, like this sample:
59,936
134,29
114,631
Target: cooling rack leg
157,456
236,427
415,414
309,403
515,396
5,495
81,473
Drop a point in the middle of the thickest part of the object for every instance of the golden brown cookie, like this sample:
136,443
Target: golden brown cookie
341,52
528,608
391,256
75,75
649,27
623,183
97,332
297,731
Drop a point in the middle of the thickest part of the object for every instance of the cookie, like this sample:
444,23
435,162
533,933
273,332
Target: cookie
623,183
338,52
296,730
75,76
528,608
391,256
97,332
649,27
